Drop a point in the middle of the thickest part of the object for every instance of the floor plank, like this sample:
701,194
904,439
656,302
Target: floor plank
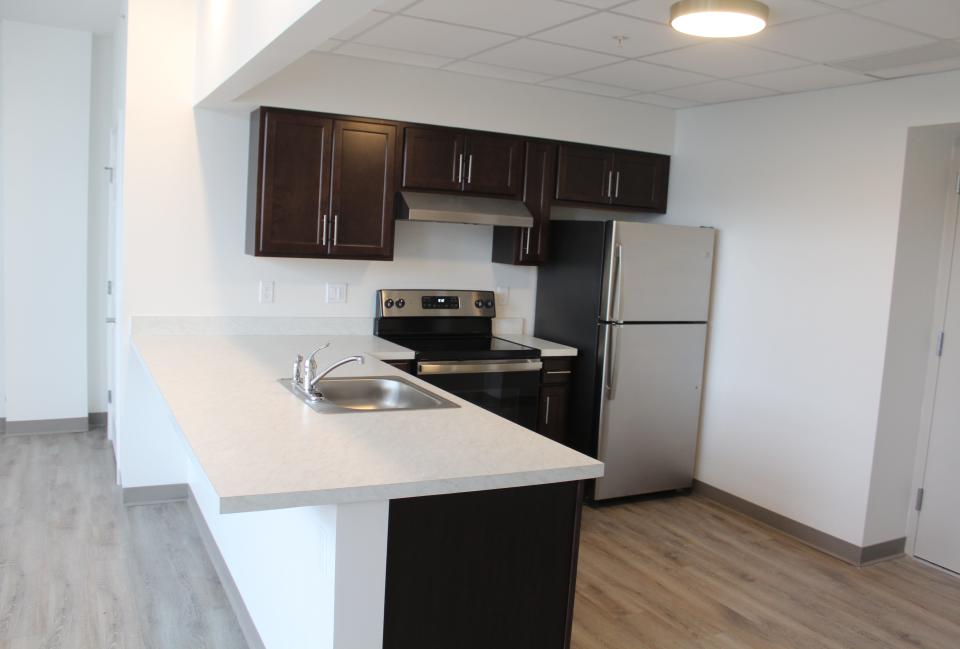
686,572
78,570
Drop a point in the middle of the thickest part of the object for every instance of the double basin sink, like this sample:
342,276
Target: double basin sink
369,394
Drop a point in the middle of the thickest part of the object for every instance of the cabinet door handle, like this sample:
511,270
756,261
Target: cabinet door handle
559,372
526,250
546,418
460,168
616,189
323,231
336,222
609,183
470,169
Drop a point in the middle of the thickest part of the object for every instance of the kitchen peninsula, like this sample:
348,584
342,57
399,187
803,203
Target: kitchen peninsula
395,529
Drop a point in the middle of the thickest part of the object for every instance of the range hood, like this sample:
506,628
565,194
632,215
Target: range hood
459,208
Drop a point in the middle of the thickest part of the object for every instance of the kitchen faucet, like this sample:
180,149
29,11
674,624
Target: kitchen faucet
306,377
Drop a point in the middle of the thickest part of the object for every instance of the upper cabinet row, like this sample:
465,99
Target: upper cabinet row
326,185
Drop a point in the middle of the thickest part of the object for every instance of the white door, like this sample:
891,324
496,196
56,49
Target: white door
938,523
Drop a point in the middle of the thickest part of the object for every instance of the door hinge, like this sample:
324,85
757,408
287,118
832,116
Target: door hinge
109,396
109,287
109,170
919,499
940,337
958,183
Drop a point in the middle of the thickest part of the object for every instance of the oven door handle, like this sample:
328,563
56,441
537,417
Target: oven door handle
478,367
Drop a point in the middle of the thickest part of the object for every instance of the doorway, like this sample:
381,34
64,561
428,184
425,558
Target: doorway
937,531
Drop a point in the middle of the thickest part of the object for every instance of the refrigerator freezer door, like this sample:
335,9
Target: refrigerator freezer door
650,407
657,273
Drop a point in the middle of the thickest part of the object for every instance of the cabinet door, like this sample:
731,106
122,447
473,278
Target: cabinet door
433,159
553,412
640,180
539,187
293,183
493,164
584,174
362,192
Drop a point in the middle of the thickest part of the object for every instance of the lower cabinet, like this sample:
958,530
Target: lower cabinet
406,366
555,398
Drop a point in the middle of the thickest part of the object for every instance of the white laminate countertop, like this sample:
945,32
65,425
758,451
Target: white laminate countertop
263,448
547,348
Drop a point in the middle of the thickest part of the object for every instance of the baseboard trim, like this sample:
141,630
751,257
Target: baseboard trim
155,494
844,550
247,627
46,426
97,419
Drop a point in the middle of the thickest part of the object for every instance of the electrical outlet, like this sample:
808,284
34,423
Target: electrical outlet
336,293
266,291
502,295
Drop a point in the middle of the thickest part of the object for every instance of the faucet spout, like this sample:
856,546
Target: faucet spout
343,361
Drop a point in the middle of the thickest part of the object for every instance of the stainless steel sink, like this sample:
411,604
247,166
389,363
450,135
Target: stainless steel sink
370,394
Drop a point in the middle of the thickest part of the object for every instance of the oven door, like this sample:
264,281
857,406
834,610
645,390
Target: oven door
509,388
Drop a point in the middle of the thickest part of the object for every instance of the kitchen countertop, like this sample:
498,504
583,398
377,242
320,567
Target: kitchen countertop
547,348
263,448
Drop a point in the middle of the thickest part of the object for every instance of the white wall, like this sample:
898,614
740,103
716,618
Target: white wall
805,191
45,113
101,122
930,176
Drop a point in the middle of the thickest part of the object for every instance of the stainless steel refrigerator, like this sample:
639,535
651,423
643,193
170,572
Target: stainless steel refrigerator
634,298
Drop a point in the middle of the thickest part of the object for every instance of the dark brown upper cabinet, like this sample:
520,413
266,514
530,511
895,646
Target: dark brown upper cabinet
601,176
320,187
458,161
363,190
528,246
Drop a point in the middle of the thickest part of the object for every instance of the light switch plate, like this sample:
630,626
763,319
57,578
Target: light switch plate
336,293
502,295
267,291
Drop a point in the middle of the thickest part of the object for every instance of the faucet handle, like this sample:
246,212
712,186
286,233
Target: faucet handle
298,369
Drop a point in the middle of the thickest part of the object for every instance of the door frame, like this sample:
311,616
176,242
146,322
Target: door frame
949,257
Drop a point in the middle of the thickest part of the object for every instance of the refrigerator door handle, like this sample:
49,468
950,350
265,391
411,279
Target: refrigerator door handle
610,379
617,294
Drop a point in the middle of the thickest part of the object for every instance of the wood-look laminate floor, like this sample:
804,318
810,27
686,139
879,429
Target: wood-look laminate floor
686,573
78,570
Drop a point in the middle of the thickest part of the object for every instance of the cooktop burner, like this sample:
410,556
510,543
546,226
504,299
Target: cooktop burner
451,348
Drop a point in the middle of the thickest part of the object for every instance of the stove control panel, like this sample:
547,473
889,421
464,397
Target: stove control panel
410,303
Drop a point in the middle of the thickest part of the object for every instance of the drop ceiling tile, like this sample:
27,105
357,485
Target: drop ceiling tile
395,5
640,76
662,100
428,37
588,87
928,67
725,59
811,77
936,17
394,56
596,4
847,4
780,10
507,16
716,92
536,56
836,36
365,23
496,71
596,32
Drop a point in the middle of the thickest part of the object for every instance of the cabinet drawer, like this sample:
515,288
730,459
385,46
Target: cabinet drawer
406,366
556,371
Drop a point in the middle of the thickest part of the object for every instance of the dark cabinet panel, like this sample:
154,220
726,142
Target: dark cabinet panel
432,159
554,400
640,180
362,190
584,174
493,164
292,174
406,366
483,569
528,246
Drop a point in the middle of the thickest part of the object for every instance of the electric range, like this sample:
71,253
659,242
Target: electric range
451,335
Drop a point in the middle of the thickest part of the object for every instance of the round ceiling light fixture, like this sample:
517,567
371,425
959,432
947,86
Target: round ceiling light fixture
719,18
